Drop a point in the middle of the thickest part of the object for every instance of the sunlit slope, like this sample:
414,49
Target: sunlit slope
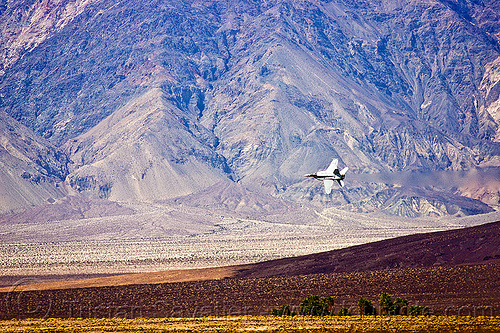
145,151
476,245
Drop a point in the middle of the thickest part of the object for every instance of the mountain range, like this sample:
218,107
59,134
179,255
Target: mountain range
146,102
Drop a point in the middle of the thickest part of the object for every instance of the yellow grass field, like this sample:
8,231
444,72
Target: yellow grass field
260,324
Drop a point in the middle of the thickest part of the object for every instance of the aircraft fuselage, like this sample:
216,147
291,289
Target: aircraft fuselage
320,177
330,175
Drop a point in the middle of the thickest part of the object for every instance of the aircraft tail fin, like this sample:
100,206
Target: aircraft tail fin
341,182
344,171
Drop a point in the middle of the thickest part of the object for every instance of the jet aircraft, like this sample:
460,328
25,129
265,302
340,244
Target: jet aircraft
329,175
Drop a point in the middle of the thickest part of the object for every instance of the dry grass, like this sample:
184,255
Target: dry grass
260,324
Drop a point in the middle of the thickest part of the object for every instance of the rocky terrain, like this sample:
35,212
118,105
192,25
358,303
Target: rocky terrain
32,170
135,102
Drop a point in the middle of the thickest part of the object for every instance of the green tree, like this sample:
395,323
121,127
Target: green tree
417,310
310,306
366,307
400,306
314,306
329,301
283,311
386,304
344,312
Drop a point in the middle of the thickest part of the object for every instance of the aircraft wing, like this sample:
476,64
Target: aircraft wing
328,185
333,166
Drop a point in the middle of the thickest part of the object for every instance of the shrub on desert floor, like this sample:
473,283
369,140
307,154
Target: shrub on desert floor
316,306
283,311
311,306
344,311
417,310
398,306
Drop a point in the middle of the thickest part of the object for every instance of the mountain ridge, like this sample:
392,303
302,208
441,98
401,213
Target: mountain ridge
472,245
256,93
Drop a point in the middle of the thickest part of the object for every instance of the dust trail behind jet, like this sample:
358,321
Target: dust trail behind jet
444,179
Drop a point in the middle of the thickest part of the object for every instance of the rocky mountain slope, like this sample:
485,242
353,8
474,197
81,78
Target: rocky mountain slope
147,150
32,170
152,101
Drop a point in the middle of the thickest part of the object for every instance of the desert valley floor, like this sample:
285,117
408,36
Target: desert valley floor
455,272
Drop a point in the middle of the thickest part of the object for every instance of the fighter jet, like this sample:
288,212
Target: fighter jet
329,175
